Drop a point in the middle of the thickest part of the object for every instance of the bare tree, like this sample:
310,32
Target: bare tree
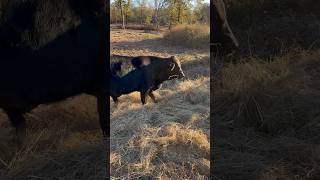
120,4
158,5
141,5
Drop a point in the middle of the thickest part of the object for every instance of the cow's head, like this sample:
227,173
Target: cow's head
223,39
115,68
174,68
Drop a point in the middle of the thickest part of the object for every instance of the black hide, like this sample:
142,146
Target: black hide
51,50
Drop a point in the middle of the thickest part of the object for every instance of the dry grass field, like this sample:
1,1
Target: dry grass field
266,99
266,118
169,139
64,142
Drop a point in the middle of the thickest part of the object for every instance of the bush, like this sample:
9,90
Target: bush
194,36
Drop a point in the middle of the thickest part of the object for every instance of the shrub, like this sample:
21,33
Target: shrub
193,36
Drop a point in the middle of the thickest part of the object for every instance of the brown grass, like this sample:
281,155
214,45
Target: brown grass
169,139
265,28
266,120
144,27
165,140
194,36
64,141
265,102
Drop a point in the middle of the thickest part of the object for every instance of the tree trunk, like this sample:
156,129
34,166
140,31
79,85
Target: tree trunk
179,13
122,14
116,16
156,4
141,15
156,19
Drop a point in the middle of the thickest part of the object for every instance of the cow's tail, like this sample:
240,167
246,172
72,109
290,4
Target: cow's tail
116,68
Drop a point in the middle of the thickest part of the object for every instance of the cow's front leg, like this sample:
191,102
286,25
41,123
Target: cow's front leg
19,122
152,97
102,103
143,95
115,100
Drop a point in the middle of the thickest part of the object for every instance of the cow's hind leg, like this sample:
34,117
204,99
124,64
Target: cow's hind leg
19,122
102,102
152,97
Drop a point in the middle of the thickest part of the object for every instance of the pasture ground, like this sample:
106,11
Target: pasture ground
64,141
169,139
266,99
266,118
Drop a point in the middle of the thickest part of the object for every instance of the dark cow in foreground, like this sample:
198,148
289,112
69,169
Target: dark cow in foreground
146,77
223,42
51,50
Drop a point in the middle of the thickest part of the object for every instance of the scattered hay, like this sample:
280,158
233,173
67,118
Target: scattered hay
169,139
266,120
63,141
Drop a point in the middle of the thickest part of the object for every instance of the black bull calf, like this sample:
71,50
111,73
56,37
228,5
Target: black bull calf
147,76
51,50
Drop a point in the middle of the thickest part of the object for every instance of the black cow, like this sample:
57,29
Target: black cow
223,40
115,68
51,50
146,77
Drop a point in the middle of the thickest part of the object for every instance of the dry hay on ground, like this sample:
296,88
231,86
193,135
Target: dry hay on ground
267,119
168,139
64,141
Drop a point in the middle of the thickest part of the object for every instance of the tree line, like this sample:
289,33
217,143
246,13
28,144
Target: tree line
159,12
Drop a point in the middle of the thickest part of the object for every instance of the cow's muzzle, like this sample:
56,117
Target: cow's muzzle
181,75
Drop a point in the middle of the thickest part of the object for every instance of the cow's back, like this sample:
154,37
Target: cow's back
35,23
